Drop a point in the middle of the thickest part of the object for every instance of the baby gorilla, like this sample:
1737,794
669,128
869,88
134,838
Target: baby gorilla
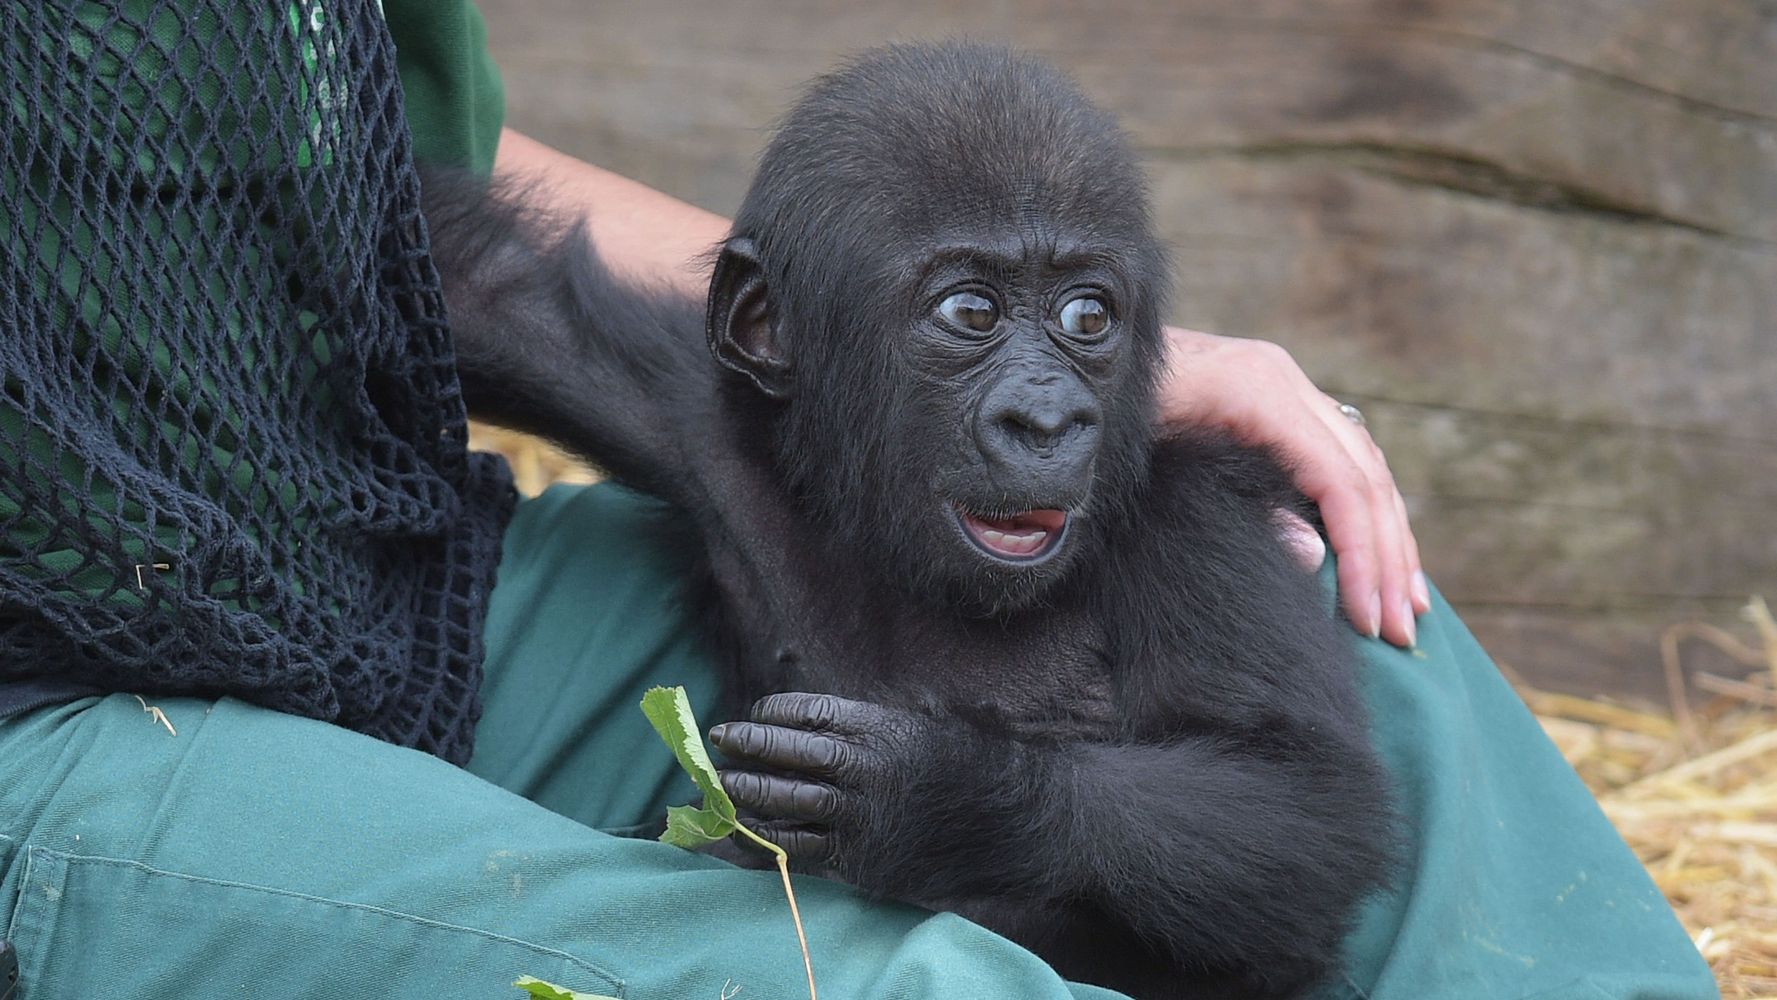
1017,658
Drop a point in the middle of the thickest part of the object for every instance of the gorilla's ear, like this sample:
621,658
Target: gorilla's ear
741,323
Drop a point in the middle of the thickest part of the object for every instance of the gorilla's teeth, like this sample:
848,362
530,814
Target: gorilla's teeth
1011,540
1014,544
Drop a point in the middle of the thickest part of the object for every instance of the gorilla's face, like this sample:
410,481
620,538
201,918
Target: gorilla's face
955,296
1017,414
973,406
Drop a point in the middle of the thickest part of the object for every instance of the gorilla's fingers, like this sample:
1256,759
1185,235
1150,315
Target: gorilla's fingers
806,844
786,749
781,798
802,710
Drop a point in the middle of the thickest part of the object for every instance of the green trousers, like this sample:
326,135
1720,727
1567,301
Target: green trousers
249,853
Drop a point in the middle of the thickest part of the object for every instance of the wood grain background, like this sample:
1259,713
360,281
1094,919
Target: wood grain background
1535,241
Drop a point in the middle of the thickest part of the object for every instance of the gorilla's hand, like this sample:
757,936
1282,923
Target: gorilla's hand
814,767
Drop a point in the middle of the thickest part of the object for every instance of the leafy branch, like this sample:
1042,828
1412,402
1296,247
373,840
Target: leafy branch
692,827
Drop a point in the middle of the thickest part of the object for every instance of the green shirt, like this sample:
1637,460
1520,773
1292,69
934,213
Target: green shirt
454,99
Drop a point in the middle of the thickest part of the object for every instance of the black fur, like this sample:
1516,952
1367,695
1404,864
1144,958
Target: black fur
1143,754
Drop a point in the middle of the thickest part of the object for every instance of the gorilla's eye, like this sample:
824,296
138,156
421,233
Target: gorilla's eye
1085,317
970,311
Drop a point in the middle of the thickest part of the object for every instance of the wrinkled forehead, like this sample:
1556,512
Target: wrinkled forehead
957,221
1005,250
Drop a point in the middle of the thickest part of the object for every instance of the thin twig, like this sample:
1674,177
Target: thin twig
142,584
1751,693
783,869
158,715
1734,753
1759,615
1729,644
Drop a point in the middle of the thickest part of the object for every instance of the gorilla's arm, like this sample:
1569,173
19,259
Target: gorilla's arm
1210,845
549,342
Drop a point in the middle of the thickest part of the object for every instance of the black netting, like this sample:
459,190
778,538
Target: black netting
232,450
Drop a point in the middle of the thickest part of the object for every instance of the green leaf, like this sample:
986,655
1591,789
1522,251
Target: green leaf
690,827
670,713
549,991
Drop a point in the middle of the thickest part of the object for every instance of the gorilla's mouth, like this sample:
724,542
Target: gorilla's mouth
1020,537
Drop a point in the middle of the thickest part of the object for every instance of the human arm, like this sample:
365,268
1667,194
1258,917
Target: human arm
550,341
648,236
1251,388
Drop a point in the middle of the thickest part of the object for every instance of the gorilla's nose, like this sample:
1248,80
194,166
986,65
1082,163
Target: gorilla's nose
1040,425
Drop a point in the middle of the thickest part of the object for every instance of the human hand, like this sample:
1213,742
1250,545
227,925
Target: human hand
1254,390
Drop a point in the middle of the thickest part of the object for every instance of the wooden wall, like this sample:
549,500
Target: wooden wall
1536,241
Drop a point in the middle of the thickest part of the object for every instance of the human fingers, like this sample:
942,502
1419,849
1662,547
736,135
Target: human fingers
1396,556
1417,587
1256,391
1327,474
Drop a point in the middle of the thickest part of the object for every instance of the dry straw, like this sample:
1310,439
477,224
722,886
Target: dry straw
1692,787
1694,792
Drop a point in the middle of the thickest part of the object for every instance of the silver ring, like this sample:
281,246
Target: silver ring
1353,414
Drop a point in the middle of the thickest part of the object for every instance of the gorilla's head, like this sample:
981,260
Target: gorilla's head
945,282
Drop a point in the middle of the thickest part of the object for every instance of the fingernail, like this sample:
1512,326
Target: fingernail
1412,626
716,732
1375,622
1420,590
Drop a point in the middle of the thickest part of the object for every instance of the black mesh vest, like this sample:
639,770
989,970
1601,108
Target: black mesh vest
232,448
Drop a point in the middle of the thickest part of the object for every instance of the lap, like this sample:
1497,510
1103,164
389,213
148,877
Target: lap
263,851
1515,884
257,852
588,613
